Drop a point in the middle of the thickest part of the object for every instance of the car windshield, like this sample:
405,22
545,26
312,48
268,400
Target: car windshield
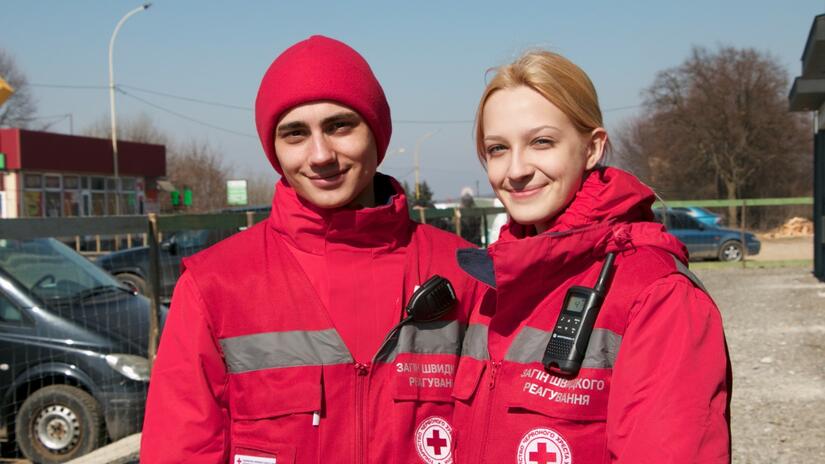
52,271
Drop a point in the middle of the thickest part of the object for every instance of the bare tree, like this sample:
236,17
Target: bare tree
139,129
197,166
20,108
718,126
260,187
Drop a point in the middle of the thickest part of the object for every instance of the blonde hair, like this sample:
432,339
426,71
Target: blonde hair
556,78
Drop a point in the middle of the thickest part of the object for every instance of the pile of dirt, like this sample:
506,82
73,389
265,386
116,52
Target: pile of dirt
794,227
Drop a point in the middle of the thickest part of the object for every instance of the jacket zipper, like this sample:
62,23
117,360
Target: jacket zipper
362,380
362,372
494,368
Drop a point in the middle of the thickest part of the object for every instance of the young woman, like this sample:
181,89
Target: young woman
652,382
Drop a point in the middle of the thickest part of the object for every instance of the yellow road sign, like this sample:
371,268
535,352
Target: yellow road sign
5,91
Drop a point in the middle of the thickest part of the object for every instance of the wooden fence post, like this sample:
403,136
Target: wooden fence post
154,286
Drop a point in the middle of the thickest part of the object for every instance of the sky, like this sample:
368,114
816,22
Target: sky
430,57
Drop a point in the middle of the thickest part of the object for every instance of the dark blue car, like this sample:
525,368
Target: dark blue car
73,352
707,241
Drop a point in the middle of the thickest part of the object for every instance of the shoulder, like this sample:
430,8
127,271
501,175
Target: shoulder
440,239
237,249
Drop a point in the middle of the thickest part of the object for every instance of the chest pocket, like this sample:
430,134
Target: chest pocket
583,397
271,393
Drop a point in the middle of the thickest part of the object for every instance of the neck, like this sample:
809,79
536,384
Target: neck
365,199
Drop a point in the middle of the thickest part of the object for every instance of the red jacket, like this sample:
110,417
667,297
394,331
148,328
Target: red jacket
252,366
654,385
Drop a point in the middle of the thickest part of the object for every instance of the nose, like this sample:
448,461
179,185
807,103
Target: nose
322,151
520,170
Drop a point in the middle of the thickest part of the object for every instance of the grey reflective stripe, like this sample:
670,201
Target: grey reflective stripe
602,349
437,337
284,349
690,275
530,343
475,342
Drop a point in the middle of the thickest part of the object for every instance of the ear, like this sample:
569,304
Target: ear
595,147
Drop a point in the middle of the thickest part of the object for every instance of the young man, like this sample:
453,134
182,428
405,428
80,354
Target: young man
285,343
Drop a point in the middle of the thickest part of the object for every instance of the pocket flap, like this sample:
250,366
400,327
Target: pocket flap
580,398
275,392
468,377
424,377
260,453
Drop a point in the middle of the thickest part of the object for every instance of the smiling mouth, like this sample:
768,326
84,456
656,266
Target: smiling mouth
527,192
327,176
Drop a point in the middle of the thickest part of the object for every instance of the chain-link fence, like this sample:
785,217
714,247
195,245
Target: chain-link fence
78,333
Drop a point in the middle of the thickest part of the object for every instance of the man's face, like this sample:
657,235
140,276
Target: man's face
328,154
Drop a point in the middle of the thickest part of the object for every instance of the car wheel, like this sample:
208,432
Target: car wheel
730,251
133,281
59,423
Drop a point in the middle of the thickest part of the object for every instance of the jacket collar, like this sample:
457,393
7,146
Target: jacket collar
610,212
311,229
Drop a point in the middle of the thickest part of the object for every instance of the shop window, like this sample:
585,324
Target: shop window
128,203
98,204
98,183
52,182
54,205
127,184
33,204
71,182
110,204
84,183
33,181
71,203
111,184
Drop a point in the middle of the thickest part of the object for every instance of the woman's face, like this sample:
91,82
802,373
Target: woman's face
535,157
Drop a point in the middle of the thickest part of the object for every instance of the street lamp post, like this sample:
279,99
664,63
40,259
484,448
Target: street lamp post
417,166
143,7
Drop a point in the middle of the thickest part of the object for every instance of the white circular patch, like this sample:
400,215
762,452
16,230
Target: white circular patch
434,441
544,446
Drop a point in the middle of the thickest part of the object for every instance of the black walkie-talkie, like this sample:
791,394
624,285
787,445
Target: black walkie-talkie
568,343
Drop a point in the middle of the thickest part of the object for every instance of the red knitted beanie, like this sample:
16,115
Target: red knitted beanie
316,69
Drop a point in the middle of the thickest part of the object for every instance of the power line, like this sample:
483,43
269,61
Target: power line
183,116
190,99
66,86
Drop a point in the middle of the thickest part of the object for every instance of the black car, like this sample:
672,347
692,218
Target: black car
131,266
706,241
73,352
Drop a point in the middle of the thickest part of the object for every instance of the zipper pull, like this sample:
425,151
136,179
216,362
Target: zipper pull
362,368
493,372
316,418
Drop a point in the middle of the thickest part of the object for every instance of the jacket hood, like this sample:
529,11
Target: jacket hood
310,228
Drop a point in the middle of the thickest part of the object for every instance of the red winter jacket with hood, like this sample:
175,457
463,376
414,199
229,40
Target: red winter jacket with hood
654,386
253,366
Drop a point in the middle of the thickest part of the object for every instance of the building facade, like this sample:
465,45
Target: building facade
56,175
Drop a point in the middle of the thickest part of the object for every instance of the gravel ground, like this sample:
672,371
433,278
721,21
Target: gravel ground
775,326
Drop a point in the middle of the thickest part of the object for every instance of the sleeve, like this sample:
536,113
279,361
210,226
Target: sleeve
186,417
671,382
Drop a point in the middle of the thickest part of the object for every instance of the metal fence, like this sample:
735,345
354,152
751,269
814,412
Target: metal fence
76,348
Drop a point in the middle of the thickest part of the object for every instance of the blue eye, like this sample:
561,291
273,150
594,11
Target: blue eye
495,149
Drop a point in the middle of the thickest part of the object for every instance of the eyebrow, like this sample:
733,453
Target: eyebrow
342,116
529,132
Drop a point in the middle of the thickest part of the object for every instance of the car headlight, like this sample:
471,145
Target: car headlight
130,366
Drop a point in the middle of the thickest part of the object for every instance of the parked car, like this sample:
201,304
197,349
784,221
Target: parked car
707,241
701,214
73,352
131,266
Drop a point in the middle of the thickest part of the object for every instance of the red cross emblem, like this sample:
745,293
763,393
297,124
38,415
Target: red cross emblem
433,441
436,442
543,446
541,455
